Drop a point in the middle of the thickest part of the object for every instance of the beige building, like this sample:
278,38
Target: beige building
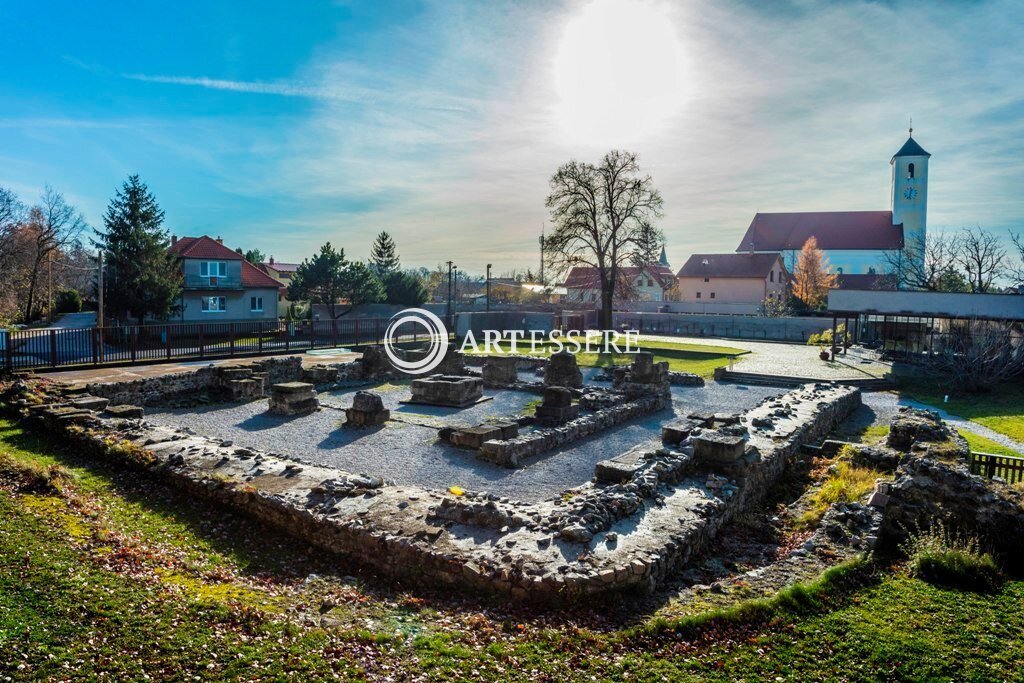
732,278
282,273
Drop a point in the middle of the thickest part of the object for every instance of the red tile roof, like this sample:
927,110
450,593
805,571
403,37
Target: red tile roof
209,248
203,247
730,265
278,266
834,230
586,277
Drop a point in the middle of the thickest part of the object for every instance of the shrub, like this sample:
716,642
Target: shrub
846,483
943,557
824,338
68,301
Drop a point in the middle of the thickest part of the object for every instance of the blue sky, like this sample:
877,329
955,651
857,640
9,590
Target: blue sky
282,125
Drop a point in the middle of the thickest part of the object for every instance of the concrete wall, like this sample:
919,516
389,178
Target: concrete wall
734,326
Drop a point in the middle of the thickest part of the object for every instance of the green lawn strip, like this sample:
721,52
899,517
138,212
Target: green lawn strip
985,445
1001,410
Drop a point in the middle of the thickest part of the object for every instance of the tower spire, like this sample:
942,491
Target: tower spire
911,126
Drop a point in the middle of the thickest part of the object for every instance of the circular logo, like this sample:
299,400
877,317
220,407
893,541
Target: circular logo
436,333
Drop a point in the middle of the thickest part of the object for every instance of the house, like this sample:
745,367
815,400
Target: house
643,283
855,242
732,278
282,273
219,285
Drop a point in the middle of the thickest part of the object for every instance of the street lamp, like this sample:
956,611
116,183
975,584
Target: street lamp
488,286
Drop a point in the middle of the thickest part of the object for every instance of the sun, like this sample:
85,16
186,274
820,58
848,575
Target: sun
620,72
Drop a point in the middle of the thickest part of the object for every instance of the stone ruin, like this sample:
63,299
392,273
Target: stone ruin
643,377
500,371
367,410
556,407
453,391
475,437
562,371
293,398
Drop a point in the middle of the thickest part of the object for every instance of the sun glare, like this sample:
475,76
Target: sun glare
620,72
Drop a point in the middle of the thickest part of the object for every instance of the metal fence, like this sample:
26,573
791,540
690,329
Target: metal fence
129,344
1008,467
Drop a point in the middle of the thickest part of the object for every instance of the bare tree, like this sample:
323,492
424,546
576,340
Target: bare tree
1018,271
12,219
53,226
928,263
980,354
598,212
982,257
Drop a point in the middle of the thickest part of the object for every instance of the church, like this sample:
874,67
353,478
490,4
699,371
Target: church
855,241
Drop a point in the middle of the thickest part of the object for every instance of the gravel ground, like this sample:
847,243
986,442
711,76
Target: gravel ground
410,454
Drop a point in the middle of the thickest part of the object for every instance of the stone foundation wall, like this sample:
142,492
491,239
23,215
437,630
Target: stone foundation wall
591,540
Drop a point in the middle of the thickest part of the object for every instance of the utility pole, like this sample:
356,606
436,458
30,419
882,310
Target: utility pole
99,279
49,287
488,286
449,297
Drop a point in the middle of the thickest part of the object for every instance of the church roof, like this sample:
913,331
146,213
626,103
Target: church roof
663,261
729,265
910,148
833,229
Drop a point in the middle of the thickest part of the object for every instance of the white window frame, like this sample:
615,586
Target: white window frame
210,269
207,305
255,304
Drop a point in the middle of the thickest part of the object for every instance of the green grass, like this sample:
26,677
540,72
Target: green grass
983,444
1001,410
111,576
845,483
681,357
940,556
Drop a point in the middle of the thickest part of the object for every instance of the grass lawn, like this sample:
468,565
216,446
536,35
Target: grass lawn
985,445
682,357
117,577
1001,409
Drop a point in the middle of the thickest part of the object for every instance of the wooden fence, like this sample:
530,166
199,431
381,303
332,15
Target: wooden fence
1007,467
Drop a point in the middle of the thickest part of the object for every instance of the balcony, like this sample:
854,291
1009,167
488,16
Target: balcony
210,283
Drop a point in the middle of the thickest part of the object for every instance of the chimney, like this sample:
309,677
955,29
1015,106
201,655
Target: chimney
174,240
220,240
271,260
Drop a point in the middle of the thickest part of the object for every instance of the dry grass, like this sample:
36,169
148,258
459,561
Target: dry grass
845,483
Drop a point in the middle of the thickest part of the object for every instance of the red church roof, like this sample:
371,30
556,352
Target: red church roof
833,229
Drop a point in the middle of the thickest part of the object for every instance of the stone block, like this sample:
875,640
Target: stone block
552,415
320,374
500,370
90,403
367,410
474,437
621,467
557,397
293,398
677,431
447,390
562,371
713,448
125,411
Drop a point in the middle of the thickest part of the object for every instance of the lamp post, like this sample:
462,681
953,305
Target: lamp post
488,287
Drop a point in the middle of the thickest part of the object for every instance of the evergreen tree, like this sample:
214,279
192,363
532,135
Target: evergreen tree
406,289
319,280
254,256
360,285
383,258
142,278
649,243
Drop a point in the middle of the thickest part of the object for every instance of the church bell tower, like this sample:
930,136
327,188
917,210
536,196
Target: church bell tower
910,192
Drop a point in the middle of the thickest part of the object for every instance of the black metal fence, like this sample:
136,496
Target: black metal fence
1008,467
130,344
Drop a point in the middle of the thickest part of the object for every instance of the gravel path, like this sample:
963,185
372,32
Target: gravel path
410,454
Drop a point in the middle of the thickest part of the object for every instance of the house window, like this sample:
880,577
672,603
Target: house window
706,280
256,304
650,282
213,269
712,295
698,295
771,276
910,171
213,304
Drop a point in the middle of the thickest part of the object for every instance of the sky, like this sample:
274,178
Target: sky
281,126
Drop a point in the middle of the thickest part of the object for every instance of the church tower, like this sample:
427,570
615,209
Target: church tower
910,191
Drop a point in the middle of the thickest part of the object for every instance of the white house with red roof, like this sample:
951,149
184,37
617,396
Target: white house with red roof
219,285
645,283
283,274
856,242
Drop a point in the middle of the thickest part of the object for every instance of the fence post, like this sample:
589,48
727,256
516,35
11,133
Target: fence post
259,338
94,338
8,349
167,340
287,342
334,333
231,338
134,341
53,348
356,321
312,335
377,334
200,340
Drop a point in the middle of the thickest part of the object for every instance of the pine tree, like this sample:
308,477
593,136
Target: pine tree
383,258
142,278
320,280
811,279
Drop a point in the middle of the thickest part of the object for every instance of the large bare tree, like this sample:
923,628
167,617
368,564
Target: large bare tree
981,354
982,256
54,225
1017,272
598,212
12,219
928,263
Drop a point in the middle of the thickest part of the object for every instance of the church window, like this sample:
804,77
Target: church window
698,295
910,171
707,280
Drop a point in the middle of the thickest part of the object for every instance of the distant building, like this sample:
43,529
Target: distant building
854,241
219,285
732,278
282,273
647,283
